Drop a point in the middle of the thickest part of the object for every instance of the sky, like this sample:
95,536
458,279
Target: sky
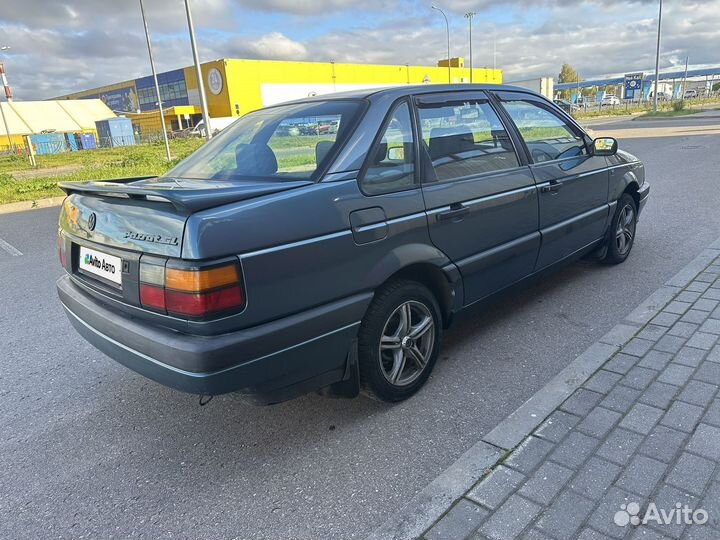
61,46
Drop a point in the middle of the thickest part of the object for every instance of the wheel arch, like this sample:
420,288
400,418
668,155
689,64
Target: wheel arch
435,279
632,189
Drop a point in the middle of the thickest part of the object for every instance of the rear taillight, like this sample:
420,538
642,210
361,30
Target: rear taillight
61,250
191,291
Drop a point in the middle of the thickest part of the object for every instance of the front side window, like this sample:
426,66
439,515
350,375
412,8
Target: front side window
391,164
288,142
547,136
465,139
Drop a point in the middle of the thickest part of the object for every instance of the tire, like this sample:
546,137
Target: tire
621,236
394,368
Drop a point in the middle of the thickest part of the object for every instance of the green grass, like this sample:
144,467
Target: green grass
19,182
670,113
620,110
298,141
607,111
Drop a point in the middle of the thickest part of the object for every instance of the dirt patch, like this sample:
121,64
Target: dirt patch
62,170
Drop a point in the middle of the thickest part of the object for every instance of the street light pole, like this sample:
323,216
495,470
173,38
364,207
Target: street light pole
657,61
447,28
198,72
157,86
469,16
7,129
2,111
494,47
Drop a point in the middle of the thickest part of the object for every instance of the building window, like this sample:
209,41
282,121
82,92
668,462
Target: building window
176,90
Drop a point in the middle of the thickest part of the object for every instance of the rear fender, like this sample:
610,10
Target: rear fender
406,256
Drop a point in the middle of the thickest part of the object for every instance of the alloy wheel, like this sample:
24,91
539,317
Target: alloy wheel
406,343
625,231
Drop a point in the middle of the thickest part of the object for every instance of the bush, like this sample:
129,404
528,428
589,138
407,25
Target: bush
678,105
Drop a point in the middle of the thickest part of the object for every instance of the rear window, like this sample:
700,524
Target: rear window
288,142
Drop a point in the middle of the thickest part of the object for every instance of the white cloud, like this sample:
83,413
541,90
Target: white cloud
276,46
307,7
70,45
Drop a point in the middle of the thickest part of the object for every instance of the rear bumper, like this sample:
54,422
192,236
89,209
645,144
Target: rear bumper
643,194
270,363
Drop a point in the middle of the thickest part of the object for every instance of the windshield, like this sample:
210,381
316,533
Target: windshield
288,142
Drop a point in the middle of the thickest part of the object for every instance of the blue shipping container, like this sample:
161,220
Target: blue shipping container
71,142
87,141
49,143
115,132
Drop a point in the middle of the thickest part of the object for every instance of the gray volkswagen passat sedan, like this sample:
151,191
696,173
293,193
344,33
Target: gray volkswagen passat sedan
283,257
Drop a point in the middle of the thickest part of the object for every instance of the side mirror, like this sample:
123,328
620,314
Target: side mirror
604,146
396,153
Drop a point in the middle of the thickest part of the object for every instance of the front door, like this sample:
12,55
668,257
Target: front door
481,199
572,183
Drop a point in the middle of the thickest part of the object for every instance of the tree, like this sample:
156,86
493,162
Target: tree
716,87
567,75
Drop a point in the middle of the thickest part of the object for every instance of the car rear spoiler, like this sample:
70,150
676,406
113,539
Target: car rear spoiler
184,199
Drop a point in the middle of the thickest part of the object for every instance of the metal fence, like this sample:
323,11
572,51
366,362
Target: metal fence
645,105
60,146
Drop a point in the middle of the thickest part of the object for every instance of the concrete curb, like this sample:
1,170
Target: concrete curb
433,501
680,116
23,206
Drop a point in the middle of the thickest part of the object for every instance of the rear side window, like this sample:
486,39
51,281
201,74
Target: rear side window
547,135
391,165
300,145
287,142
465,139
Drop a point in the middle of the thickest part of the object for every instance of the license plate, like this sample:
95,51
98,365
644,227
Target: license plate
101,264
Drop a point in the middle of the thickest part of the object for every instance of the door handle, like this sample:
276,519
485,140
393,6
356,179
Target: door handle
456,213
552,187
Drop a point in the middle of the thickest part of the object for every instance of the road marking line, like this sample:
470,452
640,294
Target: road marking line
10,249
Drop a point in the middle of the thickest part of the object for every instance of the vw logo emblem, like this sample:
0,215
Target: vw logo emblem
92,221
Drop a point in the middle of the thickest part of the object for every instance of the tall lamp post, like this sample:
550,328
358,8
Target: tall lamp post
469,16
447,28
157,86
198,72
657,60
7,129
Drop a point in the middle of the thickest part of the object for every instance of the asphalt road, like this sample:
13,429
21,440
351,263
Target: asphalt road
88,448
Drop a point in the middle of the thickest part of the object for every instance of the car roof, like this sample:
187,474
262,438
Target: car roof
397,92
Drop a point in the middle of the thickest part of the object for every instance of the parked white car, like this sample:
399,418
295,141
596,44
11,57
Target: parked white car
216,125
610,100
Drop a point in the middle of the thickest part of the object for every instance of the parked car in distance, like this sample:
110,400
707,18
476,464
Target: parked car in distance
565,105
181,133
690,94
273,265
216,126
662,96
610,100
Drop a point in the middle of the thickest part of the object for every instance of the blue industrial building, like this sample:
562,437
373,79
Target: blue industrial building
647,82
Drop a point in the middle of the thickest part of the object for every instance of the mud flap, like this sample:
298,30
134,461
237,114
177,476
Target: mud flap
349,386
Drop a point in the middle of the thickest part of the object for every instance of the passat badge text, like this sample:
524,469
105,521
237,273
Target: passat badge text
156,238
100,264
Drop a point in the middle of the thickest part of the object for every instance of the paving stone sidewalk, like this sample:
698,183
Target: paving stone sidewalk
645,428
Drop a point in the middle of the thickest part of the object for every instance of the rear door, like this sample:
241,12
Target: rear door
572,183
480,197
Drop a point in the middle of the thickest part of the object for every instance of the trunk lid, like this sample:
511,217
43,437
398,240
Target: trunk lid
185,194
148,214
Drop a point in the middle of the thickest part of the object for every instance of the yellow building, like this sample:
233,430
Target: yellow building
235,87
